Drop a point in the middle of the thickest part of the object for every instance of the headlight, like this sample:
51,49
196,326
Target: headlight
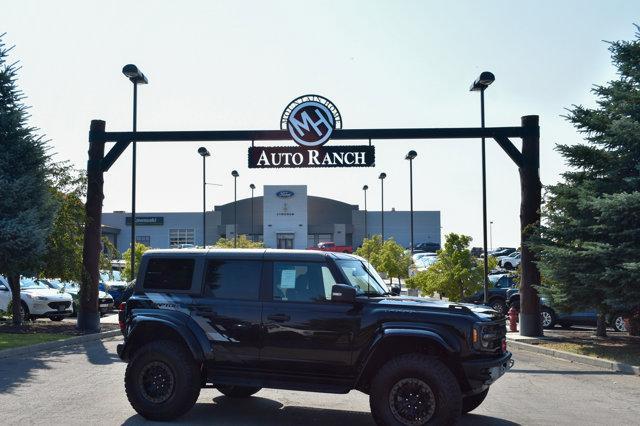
41,298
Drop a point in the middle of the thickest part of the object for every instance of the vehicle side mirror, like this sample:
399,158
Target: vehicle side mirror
343,293
395,290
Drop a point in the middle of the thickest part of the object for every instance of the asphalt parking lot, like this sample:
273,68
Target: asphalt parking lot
82,384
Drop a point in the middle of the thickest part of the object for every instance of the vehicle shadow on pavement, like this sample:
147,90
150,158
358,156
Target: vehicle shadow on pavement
264,411
19,370
570,372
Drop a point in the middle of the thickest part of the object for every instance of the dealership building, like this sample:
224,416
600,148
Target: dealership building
284,217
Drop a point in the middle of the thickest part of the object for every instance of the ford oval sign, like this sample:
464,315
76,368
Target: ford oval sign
284,194
310,120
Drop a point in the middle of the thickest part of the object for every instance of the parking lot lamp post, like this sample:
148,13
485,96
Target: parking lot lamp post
364,189
481,84
136,77
235,207
204,153
382,177
410,156
252,186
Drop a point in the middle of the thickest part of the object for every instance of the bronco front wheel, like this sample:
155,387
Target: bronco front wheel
414,390
162,381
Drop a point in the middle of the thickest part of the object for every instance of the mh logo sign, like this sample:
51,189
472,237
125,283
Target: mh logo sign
310,120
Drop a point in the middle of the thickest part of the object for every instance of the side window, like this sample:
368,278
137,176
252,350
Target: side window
169,274
233,279
302,281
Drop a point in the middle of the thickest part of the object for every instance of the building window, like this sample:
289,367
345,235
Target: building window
144,239
180,236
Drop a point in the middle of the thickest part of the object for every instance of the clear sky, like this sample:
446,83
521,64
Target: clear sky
215,65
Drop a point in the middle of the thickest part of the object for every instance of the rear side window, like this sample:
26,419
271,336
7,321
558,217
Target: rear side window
233,279
169,274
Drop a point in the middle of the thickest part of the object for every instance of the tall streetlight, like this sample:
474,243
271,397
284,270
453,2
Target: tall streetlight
366,232
204,152
481,84
252,186
491,235
410,156
235,175
136,77
382,177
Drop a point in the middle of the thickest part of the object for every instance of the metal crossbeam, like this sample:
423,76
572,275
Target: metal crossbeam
338,134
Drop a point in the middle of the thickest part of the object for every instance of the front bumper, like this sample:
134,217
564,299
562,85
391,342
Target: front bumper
483,372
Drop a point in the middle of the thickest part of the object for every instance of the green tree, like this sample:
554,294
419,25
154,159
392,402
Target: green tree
243,242
63,256
26,207
371,249
109,253
455,274
140,249
393,260
588,241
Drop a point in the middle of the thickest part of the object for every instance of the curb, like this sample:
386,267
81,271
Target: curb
615,366
31,349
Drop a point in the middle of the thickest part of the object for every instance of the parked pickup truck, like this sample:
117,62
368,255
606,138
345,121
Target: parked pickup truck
242,320
331,246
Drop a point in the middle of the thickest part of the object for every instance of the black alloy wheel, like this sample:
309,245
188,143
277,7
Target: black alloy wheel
412,401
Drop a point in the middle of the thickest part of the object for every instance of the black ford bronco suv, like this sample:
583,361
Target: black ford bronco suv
242,320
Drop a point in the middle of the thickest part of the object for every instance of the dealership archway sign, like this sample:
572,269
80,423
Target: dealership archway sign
311,121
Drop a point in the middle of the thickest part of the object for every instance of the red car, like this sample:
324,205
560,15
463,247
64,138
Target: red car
331,246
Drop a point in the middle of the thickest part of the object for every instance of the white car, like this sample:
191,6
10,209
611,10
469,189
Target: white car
422,264
38,300
510,262
417,256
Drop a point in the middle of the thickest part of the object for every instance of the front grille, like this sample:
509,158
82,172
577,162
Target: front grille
492,335
59,305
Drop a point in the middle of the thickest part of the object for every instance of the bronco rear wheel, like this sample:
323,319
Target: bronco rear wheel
414,390
162,381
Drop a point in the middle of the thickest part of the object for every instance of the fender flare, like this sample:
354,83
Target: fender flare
430,335
182,324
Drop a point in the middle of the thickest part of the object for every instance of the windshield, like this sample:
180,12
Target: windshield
52,283
426,261
363,277
110,276
30,283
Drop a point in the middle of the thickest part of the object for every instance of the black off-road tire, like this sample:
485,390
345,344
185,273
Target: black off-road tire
237,391
470,403
425,370
498,305
174,363
56,318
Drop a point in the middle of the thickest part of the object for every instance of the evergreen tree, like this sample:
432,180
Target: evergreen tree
26,207
589,240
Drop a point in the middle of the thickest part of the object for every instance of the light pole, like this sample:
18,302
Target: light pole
235,175
252,186
204,153
382,177
491,235
410,156
136,77
366,232
481,84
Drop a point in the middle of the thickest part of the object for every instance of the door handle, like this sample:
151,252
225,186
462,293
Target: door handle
279,317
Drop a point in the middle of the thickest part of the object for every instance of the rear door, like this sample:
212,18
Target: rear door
230,310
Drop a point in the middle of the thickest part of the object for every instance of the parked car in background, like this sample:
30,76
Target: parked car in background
331,246
477,251
37,300
426,247
511,261
551,317
421,264
417,256
112,282
501,285
105,301
502,251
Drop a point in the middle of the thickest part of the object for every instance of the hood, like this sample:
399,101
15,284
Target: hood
482,312
116,284
46,292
